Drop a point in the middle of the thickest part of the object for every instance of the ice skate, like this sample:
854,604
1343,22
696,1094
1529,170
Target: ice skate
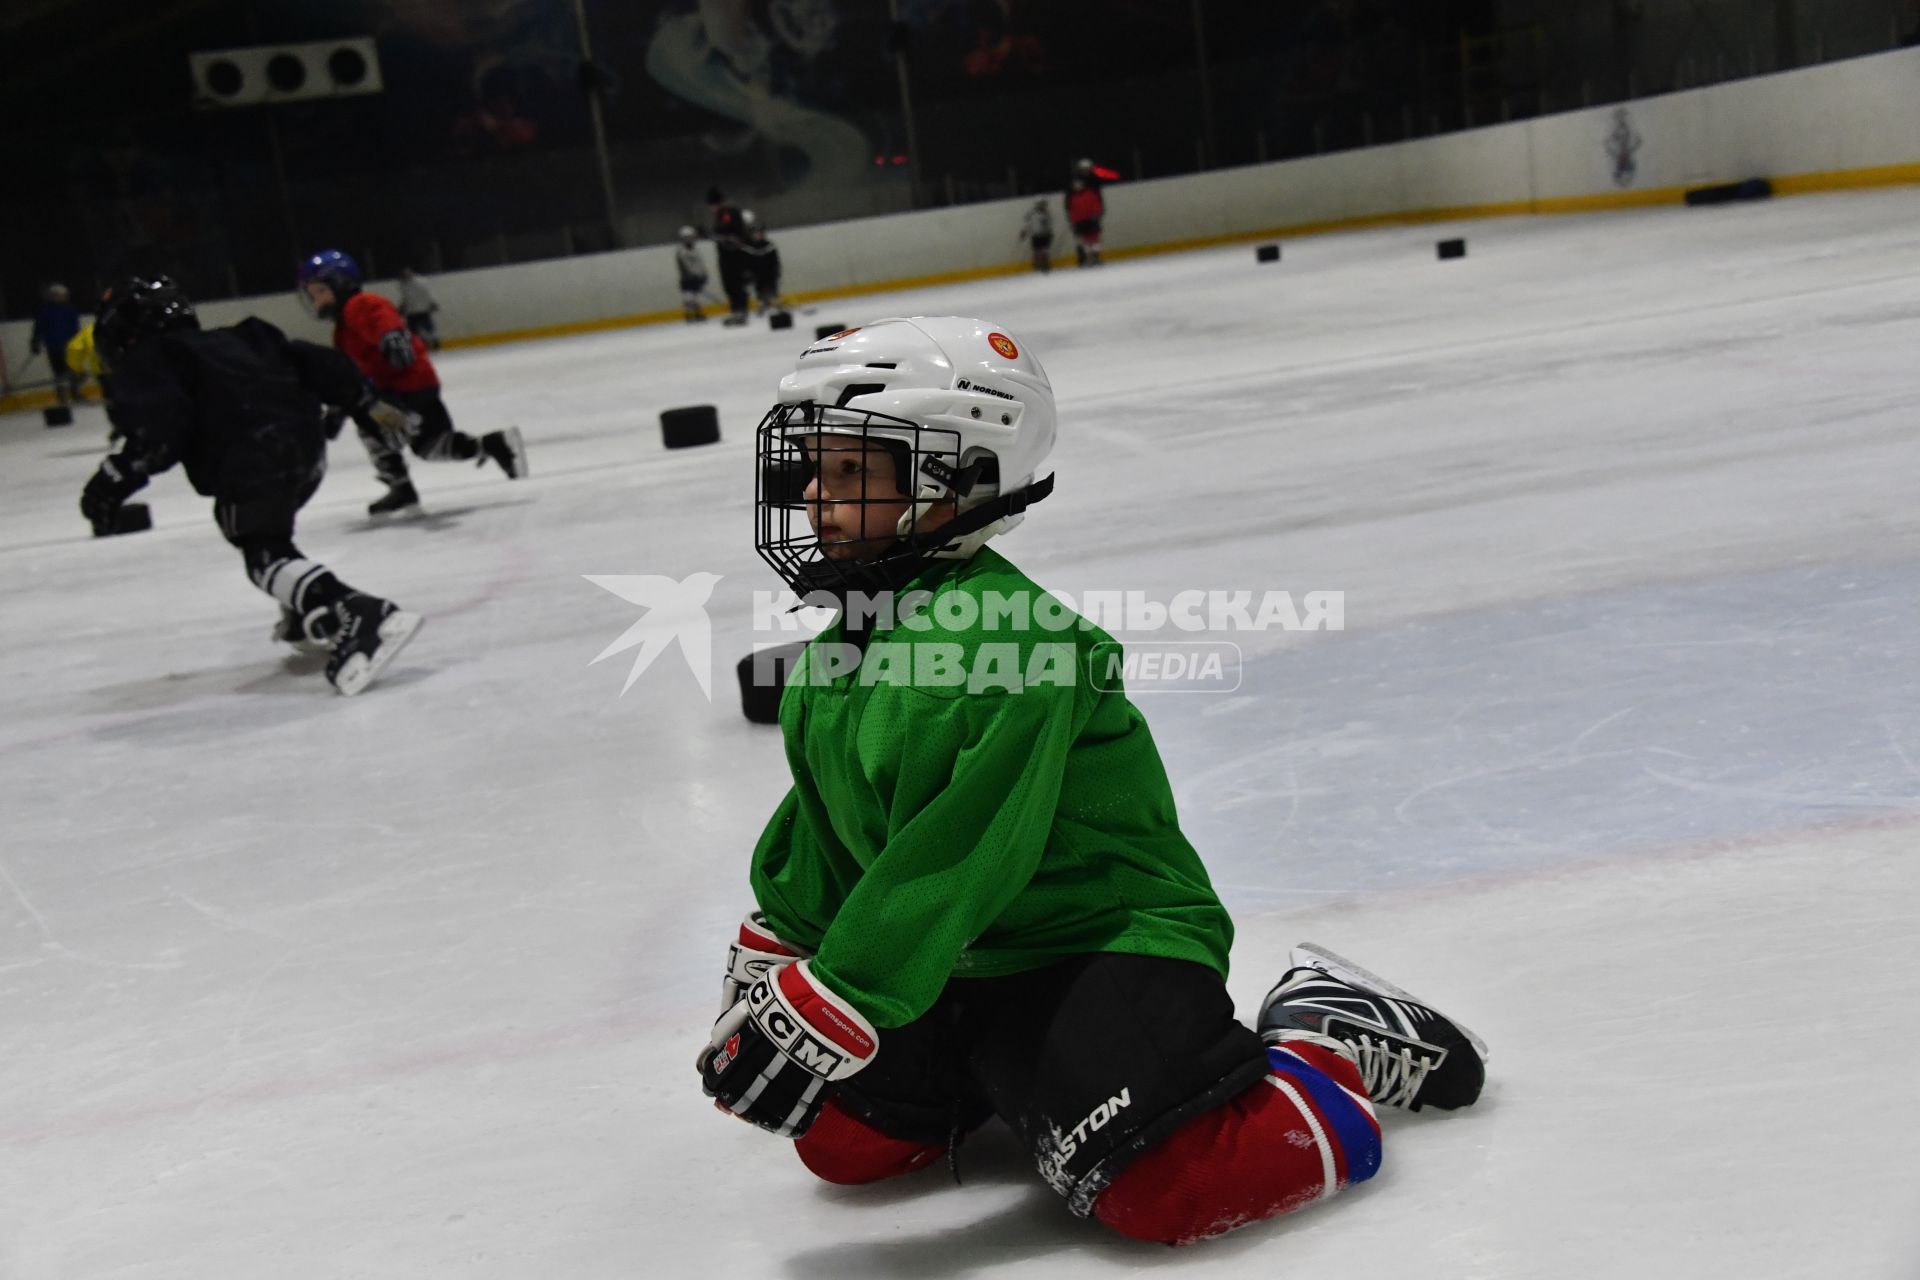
312,635
372,634
735,319
1409,1054
400,501
508,449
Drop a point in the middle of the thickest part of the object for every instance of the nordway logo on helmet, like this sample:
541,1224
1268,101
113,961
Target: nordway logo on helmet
965,384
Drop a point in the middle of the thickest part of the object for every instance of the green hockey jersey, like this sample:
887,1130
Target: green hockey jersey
973,798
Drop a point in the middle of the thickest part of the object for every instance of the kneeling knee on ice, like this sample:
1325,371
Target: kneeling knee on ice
843,1149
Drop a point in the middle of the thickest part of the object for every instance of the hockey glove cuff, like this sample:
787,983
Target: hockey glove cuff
755,953
774,1057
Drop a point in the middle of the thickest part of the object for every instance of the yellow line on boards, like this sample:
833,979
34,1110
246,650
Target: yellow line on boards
1798,184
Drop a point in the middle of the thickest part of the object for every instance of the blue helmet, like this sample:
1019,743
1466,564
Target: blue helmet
338,271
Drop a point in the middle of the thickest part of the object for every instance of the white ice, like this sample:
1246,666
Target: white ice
1618,759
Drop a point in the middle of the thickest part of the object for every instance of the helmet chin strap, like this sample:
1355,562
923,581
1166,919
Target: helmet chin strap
968,531
929,497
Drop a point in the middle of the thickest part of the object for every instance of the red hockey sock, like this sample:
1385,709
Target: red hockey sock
1296,1137
844,1149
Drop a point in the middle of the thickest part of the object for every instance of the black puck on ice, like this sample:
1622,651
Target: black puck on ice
780,320
763,676
1451,249
57,415
1728,192
685,427
133,517
827,330
1267,253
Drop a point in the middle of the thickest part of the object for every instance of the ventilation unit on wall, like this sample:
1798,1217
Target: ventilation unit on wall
285,72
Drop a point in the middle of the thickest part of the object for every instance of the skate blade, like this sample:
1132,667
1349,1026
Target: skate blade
517,446
1309,955
357,672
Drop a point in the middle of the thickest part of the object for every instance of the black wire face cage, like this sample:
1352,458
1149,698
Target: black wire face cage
796,442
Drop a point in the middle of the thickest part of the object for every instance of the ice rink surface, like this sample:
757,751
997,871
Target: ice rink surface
1618,759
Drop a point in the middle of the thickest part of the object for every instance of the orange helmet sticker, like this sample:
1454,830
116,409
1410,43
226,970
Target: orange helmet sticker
844,333
1004,345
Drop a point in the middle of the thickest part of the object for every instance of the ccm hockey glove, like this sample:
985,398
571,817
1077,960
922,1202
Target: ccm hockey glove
757,951
772,1057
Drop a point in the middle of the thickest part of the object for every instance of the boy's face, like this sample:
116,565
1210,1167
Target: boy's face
320,294
854,501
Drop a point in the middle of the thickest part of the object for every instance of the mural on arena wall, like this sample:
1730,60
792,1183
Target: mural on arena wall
752,65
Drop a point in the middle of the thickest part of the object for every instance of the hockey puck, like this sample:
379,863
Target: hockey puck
1729,192
1267,253
57,415
780,320
133,517
1451,249
763,677
685,427
827,330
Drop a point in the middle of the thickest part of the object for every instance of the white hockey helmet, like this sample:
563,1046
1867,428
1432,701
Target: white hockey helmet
964,406
689,234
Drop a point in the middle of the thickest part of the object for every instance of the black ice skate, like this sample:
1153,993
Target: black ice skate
508,449
400,500
1409,1055
735,319
314,634
372,633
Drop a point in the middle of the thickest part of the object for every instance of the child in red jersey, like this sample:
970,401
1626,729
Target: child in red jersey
372,333
1085,208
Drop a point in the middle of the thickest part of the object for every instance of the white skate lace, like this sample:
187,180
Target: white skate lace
1391,1073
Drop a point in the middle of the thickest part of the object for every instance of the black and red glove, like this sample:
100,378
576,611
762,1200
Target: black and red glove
774,1057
